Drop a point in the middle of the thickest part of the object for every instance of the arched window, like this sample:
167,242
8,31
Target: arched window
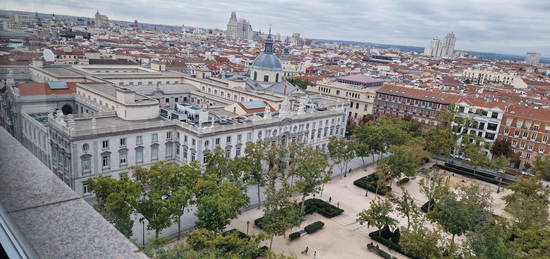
277,78
266,78
255,75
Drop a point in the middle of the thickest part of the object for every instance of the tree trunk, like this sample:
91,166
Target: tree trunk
363,160
271,242
156,233
373,157
408,222
259,197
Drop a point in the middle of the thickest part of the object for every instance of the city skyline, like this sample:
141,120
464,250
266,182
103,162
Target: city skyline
486,26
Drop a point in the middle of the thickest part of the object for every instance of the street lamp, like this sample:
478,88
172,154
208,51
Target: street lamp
142,220
247,224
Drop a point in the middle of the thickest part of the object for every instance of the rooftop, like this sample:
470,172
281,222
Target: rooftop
46,218
32,88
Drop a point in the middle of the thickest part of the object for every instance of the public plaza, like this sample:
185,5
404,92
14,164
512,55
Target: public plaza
342,236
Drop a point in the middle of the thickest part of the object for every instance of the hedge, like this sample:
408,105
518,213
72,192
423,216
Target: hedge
259,222
376,237
326,209
313,227
404,180
389,243
380,252
295,235
369,183
424,207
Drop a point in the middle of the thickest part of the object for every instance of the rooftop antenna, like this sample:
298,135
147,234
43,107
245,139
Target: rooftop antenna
269,28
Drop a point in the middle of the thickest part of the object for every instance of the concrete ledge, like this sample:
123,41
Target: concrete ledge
52,219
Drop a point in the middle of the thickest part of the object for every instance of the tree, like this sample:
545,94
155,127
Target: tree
208,244
405,159
156,188
341,151
382,173
312,168
489,241
301,82
117,201
255,154
434,188
502,147
532,243
528,204
423,242
501,163
541,167
280,211
183,183
460,213
377,214
405,205
217,207
478,157
439,140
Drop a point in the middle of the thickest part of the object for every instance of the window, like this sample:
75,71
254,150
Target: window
123,142
238,151
545,139
506,131
169,150
533,136
541,150
106,161
85,147
239,138
228,140
528,156
85,188
139,140
86,164
492,126
154,152
494,115
169,135
105,144
123,158
266,78
155,137
525,133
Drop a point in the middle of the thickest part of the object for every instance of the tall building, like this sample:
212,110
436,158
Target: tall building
101,21
532,59
238,29
441,48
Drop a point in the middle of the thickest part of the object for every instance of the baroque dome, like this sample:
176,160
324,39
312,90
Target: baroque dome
267,61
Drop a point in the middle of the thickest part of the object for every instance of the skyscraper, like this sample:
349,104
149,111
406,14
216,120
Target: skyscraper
532,59
238,29
101,21
441,48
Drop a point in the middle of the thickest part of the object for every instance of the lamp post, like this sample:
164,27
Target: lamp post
142,220
247,224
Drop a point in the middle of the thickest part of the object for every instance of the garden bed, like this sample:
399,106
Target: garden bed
326,209
369,183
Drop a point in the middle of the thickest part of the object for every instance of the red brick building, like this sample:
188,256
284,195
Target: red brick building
421,105
528,130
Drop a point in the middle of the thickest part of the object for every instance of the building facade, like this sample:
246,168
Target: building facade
528,131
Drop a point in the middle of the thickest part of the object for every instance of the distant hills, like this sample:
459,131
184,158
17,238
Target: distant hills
484,55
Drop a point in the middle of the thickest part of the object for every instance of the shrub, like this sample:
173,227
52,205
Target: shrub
430,203
386,232
313,227
380,252
326,209
238,233
259,222
376,237
294,235
396,236
369,183
404,180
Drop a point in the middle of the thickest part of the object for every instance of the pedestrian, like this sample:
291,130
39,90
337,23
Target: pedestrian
338,204
329,199
315,254
367,194
307,249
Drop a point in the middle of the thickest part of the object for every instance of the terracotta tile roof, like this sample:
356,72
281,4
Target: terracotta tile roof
29,89
427,95
529,112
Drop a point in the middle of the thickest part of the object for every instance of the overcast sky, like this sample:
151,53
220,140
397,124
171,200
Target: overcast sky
501,26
